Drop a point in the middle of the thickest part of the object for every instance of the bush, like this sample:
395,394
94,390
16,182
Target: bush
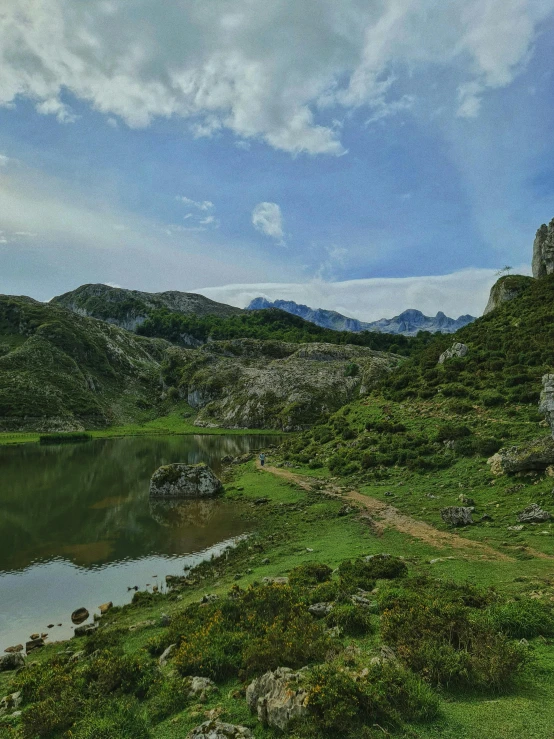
385,567
523,619
325,592
310,573
352,619
112,672
356,574
112,720
166,697
492,399
449,431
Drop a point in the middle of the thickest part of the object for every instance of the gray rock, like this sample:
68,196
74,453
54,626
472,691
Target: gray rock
10,703
164,658
184,481
457,515
533,514
200,688
543,251
456,350
278,697
532,455
219,730
546,405
360,600
33,644
320,610
80,615
505,289
275,581
11,661
165,620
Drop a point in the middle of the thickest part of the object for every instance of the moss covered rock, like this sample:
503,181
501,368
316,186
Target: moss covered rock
184,481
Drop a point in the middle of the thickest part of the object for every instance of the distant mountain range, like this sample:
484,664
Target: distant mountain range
407,323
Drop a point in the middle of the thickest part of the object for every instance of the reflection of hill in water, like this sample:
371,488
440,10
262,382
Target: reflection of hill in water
66,499
176,513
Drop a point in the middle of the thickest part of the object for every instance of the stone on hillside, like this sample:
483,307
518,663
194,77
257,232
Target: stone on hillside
80,615
546,405
85,630
184,481
320,610
543,251
533,514
36,643
11,661
219,730
200,688
532,455
505,289
456,350
166,654
457,515
10,703
277,697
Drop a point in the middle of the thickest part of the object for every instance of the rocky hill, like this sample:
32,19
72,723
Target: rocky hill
130,308
407,323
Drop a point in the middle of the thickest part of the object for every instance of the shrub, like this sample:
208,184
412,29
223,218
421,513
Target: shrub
449,431
455,390
166,697
351,619
385,567
325,592
352,370
523,619
310,573
112,720
112,672
356,574
487,446
492,399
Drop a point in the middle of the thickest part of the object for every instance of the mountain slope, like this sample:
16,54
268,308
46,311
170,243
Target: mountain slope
407,323
130,308
61,371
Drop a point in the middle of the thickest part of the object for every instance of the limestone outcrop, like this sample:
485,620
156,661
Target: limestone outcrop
219,730
543,251
278,697
533,455
546,405
184,481
533,514
456,350
457,515
505,289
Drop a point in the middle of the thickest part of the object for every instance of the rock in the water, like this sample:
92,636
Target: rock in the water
320,610
546,405
533,514
33,644
164,659
10,703
11,661
105,607
219,730
200,688
80,615
278,697
16,648
457,515
184,481
532,455
543,251
456,350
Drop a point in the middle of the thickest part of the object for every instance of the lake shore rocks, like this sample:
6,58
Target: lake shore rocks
11,661
185,481
80,615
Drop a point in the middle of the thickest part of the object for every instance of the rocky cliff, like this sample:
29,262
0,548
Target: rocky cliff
505,289
407,323
543,251
130,308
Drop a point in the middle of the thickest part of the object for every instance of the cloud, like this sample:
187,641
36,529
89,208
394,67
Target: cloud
226,65
455,294
199,216
267,219
198,204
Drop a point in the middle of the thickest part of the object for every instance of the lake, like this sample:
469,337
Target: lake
77,527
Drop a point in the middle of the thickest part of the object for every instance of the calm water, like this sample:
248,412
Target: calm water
77,527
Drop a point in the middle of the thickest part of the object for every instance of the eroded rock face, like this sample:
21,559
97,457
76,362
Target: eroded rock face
184,481
200,688
278,697
546,404
533,514
456,350
533,455
219,730
543,251
505,289
457,515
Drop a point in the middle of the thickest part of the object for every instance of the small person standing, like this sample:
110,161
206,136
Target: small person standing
262,459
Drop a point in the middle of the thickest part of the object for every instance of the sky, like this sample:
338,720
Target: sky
366,156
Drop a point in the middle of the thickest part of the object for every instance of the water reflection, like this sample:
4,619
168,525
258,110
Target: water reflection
77,524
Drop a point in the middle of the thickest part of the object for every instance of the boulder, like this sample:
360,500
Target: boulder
10,703
200,688
184,481
278,697
543,251
533,514
11,661
36,643
320,610
85,629
80,615
16,648
457,515
166,654
532,455
218,730
546,405
456,350
505,289
105,607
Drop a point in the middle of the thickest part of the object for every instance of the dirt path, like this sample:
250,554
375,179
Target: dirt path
388,515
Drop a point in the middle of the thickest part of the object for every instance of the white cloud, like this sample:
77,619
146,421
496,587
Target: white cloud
199,204
267,219
198,215
455,294
226,64
4,160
